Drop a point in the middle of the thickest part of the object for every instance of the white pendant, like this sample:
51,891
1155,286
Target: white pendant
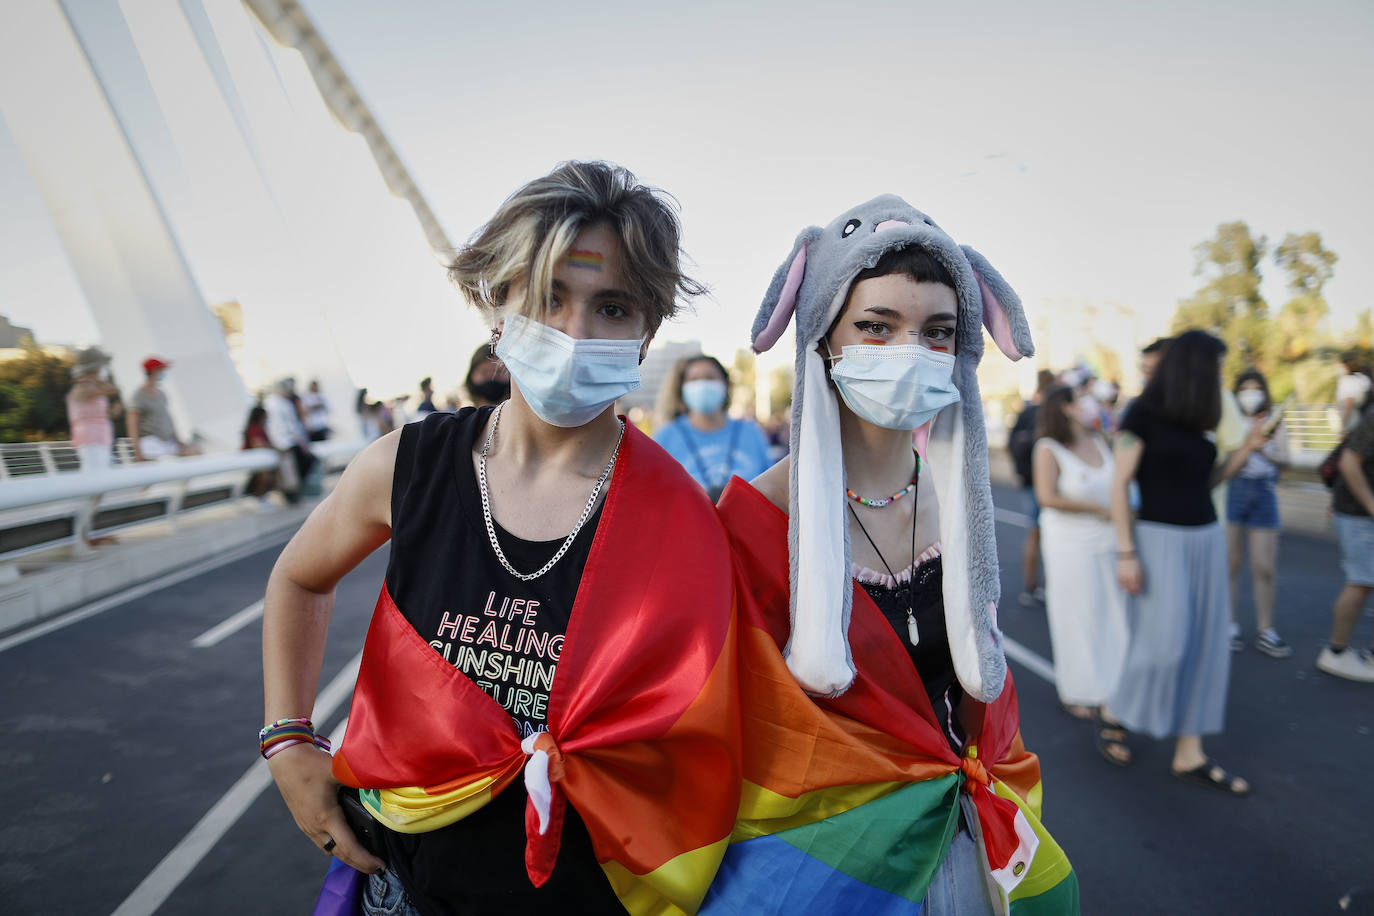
912,633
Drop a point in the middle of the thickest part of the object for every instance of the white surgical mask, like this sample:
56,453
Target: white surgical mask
1088,409
704,395
567,381
1250,400
896,387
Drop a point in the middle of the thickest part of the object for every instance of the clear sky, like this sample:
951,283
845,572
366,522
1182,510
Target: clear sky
1083,147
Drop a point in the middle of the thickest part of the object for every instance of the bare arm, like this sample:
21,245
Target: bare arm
1045,475
1127,454
1351,467
1229,468
353,521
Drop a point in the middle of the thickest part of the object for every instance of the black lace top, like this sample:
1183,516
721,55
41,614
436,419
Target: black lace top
931,653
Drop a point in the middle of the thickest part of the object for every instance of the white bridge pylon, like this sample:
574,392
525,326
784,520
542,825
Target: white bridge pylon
178,148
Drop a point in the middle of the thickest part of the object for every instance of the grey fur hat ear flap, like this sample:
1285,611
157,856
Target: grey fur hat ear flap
817,650
809,289
957,450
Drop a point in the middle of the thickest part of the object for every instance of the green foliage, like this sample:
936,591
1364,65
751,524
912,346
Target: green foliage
1309,265
33,391
1290,348
780,391
1230,304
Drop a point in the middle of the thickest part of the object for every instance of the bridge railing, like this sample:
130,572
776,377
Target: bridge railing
51,508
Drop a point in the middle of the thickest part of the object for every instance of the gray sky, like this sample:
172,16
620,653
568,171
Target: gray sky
1084,148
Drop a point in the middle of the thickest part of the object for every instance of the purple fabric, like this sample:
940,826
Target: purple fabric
342,893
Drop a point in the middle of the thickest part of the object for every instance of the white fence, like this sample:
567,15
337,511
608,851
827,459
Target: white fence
47,505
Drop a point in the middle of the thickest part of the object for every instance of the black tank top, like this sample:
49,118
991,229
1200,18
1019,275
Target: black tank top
505,635
931,654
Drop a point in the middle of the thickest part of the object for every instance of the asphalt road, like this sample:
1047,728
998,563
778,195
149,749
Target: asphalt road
134,784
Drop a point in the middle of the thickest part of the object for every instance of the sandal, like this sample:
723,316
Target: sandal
1210,773
1111,741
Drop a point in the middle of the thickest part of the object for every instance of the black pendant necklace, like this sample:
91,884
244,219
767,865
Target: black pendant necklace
903,592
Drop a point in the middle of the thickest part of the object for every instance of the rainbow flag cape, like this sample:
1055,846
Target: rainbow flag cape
643,717
849,804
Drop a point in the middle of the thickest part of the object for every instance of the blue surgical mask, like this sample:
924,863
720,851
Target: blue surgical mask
896,387
567,381
704,395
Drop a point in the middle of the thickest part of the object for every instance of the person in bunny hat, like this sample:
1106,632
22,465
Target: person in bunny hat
875,693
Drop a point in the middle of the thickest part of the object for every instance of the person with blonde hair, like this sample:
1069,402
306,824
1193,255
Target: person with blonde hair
518,550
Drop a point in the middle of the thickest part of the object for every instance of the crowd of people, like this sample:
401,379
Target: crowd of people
746,645
1146,517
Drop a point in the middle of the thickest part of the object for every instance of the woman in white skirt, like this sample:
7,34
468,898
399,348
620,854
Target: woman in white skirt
1072,469
1171,559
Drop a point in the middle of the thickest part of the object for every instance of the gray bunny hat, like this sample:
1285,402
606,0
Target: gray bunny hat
812,285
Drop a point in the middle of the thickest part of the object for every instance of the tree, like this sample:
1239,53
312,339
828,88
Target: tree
41,411
1230,304
1295,335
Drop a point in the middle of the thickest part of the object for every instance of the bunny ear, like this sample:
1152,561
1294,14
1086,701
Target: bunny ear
1002,312
781,300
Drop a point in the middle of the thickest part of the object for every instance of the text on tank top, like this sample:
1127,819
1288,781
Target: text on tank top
504,634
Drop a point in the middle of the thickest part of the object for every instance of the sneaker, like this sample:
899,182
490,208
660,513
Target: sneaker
1039,594
1351,665
1237,644
1026,599
1272,644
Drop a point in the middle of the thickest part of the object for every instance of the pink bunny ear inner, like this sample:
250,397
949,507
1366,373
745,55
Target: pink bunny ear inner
995,320
920,438
787,304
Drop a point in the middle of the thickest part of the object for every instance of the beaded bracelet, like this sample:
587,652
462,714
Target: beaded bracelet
277,736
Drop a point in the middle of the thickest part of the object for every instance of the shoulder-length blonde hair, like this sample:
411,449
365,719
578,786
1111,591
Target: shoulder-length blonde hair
538,223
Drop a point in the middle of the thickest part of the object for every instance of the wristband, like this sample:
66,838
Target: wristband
279,735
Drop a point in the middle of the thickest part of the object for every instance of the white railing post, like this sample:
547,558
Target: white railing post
85,518
45,455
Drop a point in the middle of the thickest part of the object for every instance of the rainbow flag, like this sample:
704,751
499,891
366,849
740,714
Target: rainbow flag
849,804
643,717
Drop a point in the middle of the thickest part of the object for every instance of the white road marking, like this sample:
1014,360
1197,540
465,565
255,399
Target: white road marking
154,890
227,628
1011,518
1025,657
1032,662
136,591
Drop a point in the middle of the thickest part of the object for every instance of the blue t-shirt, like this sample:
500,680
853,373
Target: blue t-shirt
738,447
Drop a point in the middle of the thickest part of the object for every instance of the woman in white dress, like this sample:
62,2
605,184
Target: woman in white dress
1072,469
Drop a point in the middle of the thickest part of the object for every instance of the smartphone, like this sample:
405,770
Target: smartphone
1276,417
361,822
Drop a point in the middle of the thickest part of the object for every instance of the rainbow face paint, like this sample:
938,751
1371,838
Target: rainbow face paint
590,260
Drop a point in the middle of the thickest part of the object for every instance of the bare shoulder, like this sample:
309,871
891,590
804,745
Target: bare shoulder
775,483
364,491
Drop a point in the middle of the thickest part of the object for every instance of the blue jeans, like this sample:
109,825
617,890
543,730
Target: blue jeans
960,885
1253,502
383,895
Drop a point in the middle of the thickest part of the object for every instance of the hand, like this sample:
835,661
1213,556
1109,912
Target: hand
1105,512
308,787
1130,575
1256,439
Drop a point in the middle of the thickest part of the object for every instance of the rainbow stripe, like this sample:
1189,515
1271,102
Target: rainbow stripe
583,258
849,804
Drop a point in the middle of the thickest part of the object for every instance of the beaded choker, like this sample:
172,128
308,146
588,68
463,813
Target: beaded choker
879,503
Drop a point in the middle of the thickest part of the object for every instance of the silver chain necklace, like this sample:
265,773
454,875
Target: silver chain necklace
572,535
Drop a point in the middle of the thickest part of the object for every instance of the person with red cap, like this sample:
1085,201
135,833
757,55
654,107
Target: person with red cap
150,422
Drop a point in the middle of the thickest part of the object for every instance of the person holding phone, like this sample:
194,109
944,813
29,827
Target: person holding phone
517,551
1252,514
